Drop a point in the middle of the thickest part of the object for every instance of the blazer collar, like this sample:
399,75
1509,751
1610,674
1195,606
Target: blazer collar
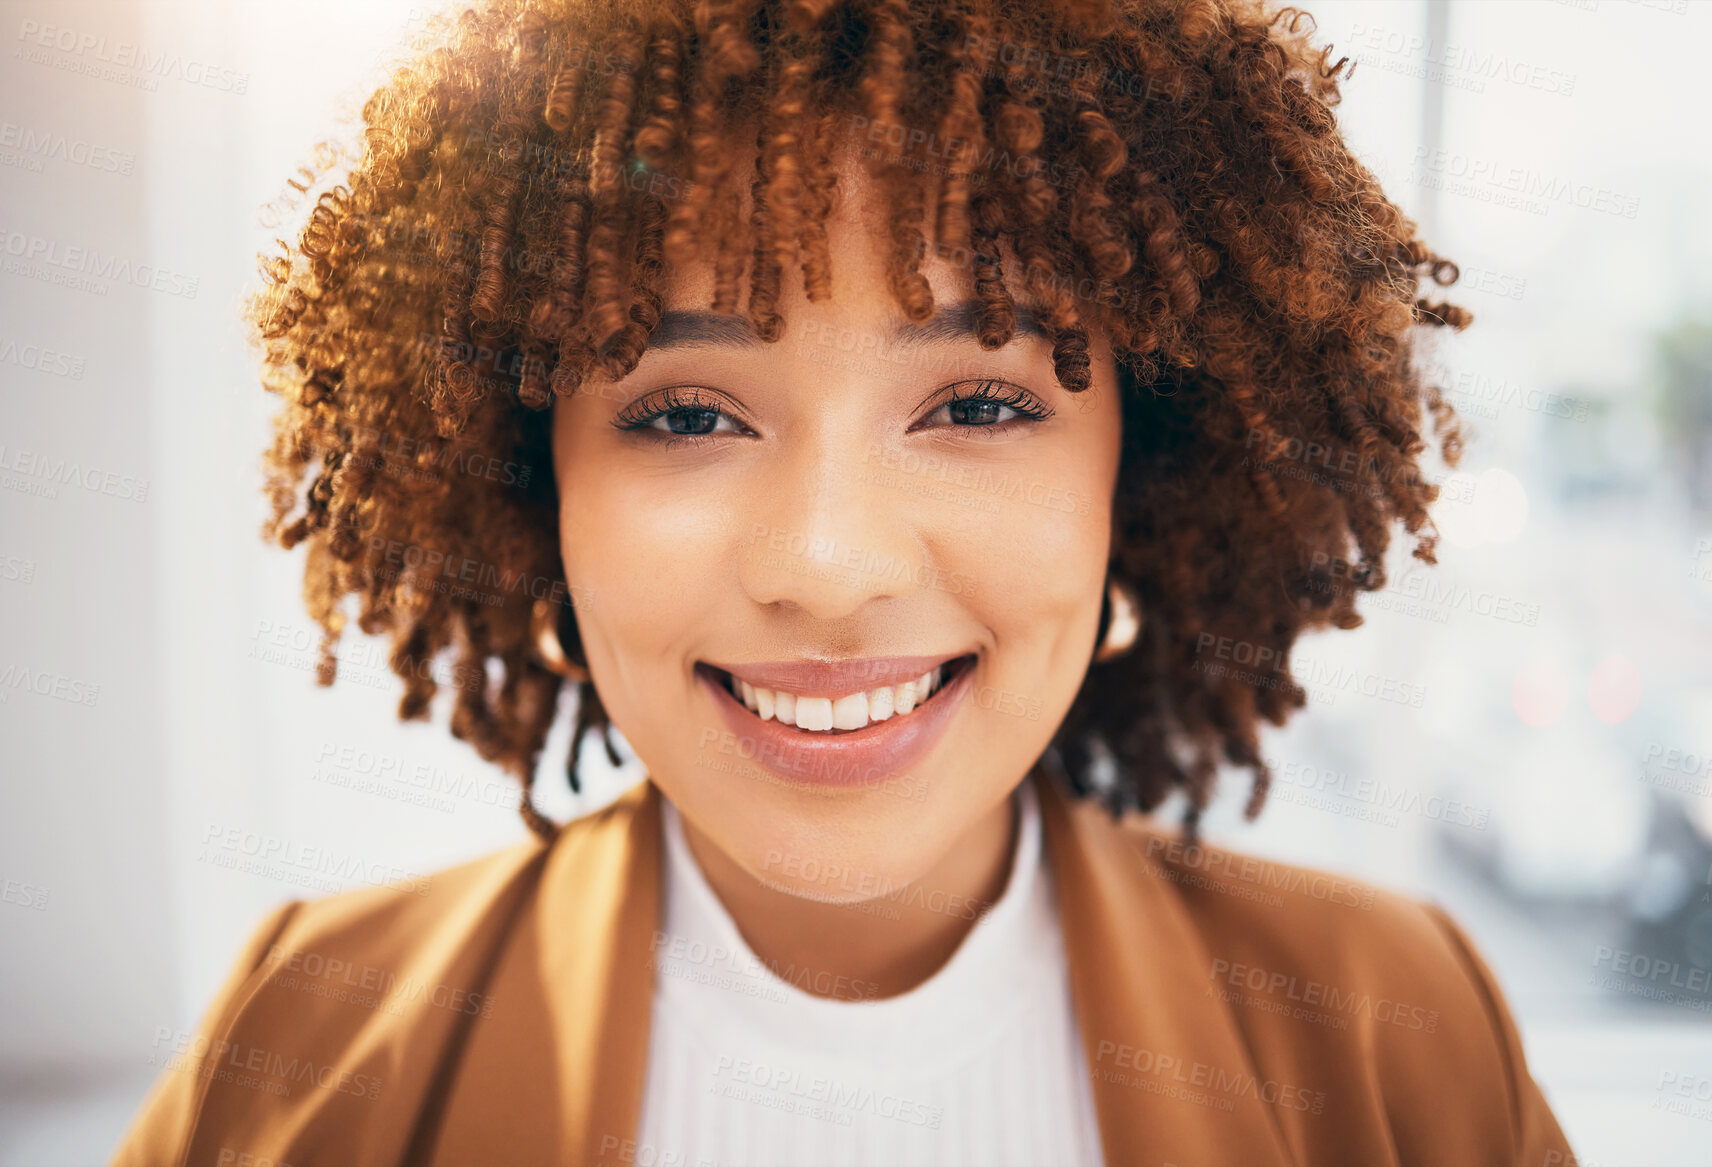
556,1073
1171,1077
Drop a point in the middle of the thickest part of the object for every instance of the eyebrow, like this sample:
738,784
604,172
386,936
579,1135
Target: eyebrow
692,328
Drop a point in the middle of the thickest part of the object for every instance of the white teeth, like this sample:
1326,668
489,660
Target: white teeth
881,704
853,711
814,713
905,699
850,712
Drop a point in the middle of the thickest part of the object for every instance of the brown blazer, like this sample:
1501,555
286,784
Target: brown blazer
1233,1012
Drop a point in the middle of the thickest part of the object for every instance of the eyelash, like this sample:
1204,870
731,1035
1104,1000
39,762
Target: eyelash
640,416
1026,405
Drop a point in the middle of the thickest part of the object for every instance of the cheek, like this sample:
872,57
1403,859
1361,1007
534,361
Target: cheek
639,534
1037,566
1039,548
644,554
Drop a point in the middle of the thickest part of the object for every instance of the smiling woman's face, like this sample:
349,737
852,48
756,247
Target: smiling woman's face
828,518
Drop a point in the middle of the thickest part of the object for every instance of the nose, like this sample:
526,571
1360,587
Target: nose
827,534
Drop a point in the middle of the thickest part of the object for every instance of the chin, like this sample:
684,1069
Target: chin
846,849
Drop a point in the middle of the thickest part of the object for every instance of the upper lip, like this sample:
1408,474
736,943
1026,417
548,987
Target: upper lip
835,678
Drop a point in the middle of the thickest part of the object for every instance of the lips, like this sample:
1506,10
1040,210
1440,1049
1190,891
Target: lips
877,752
813,678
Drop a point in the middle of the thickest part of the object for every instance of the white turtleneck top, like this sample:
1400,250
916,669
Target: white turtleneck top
979,1064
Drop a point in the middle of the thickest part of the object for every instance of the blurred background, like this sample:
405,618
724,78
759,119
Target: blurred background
1523,734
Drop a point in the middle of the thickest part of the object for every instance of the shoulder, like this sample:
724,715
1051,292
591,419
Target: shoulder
1331,979
1289,914
1272,918
387,921
452,905
357,994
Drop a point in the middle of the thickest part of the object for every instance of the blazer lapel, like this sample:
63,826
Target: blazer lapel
555,1073
1173,1082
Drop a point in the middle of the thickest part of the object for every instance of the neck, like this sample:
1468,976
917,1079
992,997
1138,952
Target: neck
883,954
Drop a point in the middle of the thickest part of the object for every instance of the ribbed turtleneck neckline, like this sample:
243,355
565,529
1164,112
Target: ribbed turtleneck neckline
705,969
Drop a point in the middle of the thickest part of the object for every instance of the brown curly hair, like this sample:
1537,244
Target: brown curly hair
1167,171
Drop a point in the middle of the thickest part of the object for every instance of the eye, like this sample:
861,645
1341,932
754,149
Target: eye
987,404
680,412
694,422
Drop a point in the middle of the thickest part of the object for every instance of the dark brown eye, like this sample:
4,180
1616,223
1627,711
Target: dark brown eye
681,412
692,421
987,404
973,411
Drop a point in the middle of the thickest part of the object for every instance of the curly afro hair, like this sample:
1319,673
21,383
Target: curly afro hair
1168,172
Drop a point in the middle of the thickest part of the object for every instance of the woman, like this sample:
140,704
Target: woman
904,581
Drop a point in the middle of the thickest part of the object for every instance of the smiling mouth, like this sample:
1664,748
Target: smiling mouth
848,714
